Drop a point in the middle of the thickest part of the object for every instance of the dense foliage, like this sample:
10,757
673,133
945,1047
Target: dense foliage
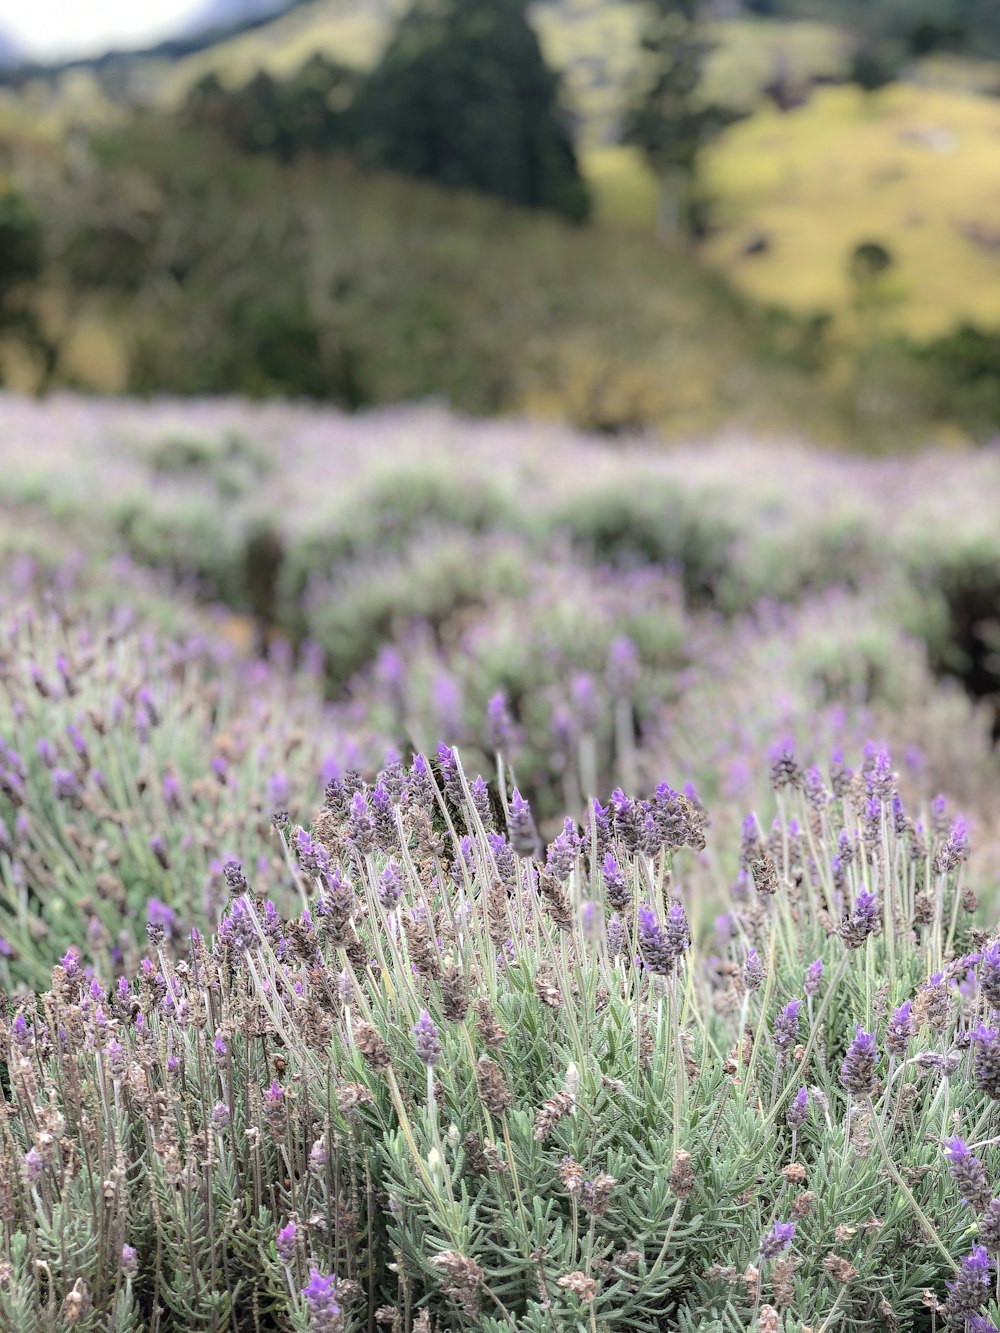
462,96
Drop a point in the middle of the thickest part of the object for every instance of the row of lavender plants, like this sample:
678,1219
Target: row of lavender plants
469,1083
345,529
139,749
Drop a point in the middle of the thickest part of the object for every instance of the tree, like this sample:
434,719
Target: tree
305,112
669,120
463,96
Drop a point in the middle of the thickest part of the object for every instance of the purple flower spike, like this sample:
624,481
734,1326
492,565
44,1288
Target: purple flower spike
786,1026
986,1060
285,1243
954,850
989,974
320,1295
522,830
753,971
968,1174
777,1239
900,1030
814,977
798,1112
658,945
857,1073
428,1041
863,922
971,1289
614,882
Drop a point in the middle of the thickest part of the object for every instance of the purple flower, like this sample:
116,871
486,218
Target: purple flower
129,1261
360,825
171,792
614,883
47,752
777,1239
753,971
798,1112
31,1166
321,1302
968,1174
390,886
900,1030
786,1026
989,974
275,1110
64,784
76,740
986,1060
785,770
658,945
814,977
21,1033
971,1288
857,1073
480,793
522,830
863,922
954,850
159,914
285,1243
420,785
428,1041
880,779
220,1117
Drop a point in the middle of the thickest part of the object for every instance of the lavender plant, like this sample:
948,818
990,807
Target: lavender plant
132,762
478,1085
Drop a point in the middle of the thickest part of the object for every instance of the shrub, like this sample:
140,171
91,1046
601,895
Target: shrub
470,1085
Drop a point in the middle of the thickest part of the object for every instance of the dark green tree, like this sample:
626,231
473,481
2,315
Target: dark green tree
463,96
669,119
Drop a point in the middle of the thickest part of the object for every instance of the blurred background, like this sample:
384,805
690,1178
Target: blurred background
621,214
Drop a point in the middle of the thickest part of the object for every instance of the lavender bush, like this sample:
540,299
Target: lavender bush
475,1085
133,760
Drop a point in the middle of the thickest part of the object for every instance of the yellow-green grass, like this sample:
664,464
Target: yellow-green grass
623,190
914,169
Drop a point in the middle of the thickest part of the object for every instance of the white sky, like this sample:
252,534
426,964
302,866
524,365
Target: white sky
83,27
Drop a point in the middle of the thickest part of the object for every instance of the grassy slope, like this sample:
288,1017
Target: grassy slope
912,168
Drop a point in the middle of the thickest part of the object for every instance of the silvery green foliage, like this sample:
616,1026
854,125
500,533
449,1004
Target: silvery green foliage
595,1144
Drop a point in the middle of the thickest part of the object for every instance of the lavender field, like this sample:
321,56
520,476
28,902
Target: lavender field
465,875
